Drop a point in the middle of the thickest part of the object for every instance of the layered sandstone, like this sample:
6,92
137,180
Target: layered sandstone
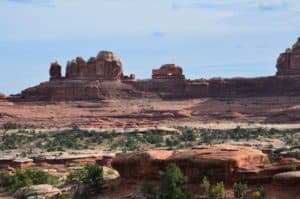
288,63
220,162
102,77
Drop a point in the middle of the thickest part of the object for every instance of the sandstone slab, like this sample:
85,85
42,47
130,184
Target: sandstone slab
45,191
287,178
220,162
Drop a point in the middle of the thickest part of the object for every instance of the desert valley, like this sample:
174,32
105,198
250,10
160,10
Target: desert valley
96,132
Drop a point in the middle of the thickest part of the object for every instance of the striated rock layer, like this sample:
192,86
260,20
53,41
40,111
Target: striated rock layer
288,63
2,96
102,77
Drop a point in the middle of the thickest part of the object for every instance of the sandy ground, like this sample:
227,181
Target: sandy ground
280,112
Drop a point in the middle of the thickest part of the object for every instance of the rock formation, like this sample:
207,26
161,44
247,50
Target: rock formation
220,162
2,96
288,63
107,66
55,71
168,71
102,77
287,178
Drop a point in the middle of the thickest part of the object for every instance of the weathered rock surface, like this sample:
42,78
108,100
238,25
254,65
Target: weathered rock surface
55,71
287,178
288,63
45,191
106,66
220,162
2,95
168,71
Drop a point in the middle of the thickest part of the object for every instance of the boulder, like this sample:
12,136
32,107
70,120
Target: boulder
44,191
220,162
55,71
287,178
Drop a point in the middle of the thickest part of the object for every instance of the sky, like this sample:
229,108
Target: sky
208,38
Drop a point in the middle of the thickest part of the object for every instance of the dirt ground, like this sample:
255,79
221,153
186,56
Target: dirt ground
217,113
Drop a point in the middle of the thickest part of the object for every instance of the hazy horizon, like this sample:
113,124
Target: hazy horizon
207,38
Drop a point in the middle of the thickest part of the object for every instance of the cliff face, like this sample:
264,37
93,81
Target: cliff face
220,162
288,63
102,77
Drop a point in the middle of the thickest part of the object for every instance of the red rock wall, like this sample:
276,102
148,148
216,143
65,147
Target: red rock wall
217,162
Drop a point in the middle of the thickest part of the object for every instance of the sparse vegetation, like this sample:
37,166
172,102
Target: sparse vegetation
297,154
78,139
217,191
260,194
240,190
171,182
149,191
10,126
292,165
206,186
27,177
89,179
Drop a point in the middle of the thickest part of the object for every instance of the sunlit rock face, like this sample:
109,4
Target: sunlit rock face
221,162
288,63
105,66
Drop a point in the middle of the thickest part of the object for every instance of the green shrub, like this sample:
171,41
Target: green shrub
148,190
90,176
38,176
273,157
153,138
10,126
170,183
27,177
297,154
15,140
188,135
260,194
256,195
240,190
65,196
217,191
206,186
292,165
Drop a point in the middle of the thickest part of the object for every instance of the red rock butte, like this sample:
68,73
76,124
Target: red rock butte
102,77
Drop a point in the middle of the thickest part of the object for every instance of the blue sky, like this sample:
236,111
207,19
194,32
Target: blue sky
206,37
